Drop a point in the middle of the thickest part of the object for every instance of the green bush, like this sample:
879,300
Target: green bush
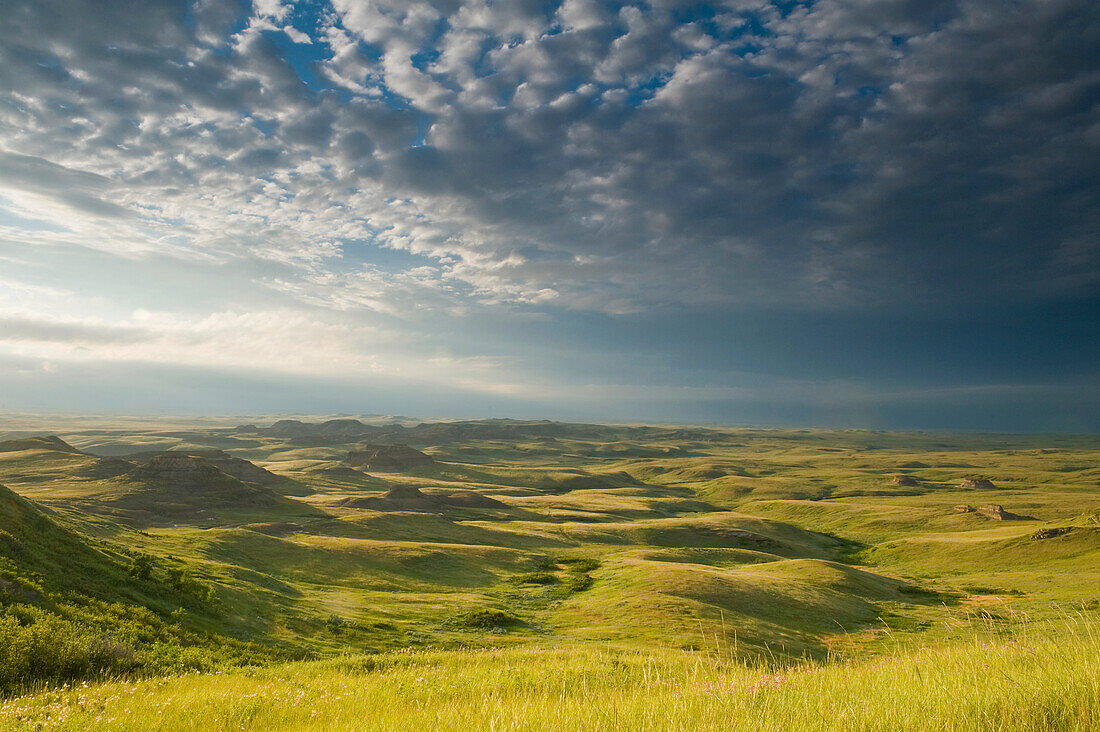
583,564
576,582
535,578
36,645
81,637
178,578
141,566
487,618
543,564
577,578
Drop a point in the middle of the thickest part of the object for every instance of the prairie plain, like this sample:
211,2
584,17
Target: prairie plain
380,572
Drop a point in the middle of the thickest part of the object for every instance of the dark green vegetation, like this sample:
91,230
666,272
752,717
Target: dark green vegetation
150,551
72,607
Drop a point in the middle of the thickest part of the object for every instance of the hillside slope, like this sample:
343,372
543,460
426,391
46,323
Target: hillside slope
72,607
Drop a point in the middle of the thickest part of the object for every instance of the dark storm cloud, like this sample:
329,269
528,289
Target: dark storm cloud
982,162
840,152
602,156
766,209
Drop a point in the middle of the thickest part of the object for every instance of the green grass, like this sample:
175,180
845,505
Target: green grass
72,607
1043,682
622,555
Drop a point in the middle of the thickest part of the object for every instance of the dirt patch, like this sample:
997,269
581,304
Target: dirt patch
1051,533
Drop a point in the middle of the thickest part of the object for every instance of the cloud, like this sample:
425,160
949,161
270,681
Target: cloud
223,339
75,189
23,328
283,342
415,163
835,153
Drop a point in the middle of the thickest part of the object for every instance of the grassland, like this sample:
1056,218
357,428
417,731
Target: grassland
541,573
1042,683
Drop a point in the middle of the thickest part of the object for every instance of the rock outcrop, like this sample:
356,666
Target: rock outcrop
907,481
991,511
977,483
997,513
1051,533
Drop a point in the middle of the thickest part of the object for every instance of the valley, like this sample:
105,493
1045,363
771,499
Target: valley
148,551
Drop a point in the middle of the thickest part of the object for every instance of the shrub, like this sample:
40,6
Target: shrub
36,645
534,578
141,566
487,618
577,579
543,563
178,578
582,564
576,582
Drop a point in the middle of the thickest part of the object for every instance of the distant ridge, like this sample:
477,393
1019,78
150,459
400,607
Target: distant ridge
347,429
430,433
50,442
387,458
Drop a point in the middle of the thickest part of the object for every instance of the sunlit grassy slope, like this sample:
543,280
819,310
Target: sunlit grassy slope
639,567
1041,683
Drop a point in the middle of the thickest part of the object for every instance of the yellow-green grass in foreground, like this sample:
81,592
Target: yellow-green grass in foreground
1044,680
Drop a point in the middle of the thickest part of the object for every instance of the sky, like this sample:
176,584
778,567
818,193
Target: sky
876,214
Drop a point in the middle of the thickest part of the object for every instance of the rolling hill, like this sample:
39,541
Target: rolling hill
773,547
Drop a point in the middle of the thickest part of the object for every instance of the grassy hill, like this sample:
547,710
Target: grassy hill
74,607
165,550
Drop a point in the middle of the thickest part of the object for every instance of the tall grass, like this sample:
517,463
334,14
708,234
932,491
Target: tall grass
1046,680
